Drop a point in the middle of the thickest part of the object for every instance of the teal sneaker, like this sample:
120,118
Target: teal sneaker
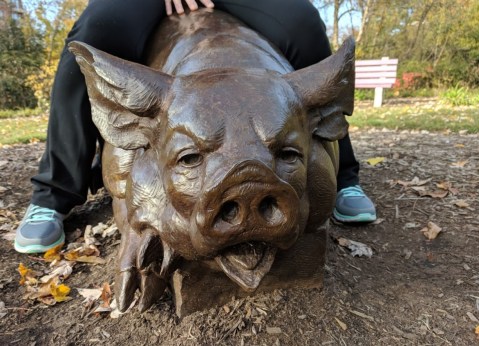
352,205
41,230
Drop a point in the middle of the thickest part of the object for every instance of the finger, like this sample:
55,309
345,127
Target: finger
192,5
169,9
208,3
179,6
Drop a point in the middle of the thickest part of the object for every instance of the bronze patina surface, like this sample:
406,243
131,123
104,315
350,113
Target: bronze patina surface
218,156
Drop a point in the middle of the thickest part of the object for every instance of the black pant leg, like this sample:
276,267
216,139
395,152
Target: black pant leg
120,28
348,174
296,28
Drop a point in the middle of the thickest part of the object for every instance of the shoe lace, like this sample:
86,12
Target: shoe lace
353,191
38,214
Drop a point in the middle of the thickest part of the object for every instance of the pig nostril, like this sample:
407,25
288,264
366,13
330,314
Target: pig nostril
229,211
269,210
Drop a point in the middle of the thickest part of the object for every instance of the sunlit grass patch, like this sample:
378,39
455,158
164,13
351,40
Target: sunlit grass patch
434,117
21,113
23,130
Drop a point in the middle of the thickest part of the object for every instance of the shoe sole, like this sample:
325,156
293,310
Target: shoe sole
38,248
363,217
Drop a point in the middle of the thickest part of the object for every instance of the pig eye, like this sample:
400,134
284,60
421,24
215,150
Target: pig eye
289,155
190,160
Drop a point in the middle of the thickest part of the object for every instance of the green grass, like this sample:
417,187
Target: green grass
20,113
23,129
436,117
25,126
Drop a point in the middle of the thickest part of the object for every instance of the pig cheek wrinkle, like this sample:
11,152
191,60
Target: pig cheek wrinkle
296,178
184,188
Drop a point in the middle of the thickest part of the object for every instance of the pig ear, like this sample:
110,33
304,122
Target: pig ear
327,89
124,96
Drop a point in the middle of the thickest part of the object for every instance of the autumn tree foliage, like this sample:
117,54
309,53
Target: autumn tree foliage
21,54
54,18
437,39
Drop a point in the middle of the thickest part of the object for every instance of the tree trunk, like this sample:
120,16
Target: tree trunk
365,18
335,42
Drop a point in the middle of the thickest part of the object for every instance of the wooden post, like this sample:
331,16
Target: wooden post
378,96
378,92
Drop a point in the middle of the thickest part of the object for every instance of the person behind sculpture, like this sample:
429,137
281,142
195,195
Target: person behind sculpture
122,28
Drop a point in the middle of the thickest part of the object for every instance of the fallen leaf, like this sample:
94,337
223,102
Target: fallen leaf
360,314
445,185
110,231
472,317
459,164
431,230
62,271
341,324
53,254
373,161
423,192
477,331
26,275
115,313
3,189
461,203
10,235
436,194
59,292
89,236
273,330
414,182
356,248
459,145
103,309
377,221
90,294
3,310
90,259
98,229
106,295
85,254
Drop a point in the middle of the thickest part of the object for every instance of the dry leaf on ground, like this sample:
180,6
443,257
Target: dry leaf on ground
459,164
461,203
61,270
356,248
48,293
27,275
3,310
373,161
53,254
90,294
431,230
414,182
10,235
341,324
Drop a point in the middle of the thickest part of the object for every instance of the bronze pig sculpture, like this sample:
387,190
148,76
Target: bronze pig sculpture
217,151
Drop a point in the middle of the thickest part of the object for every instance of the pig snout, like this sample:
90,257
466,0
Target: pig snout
249,204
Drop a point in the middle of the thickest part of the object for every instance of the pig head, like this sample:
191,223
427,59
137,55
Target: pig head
221,157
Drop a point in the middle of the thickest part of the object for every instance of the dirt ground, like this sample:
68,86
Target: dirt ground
412,291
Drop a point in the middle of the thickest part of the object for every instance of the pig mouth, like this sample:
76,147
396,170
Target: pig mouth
247,263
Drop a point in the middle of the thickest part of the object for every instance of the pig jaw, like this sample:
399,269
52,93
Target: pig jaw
243,219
